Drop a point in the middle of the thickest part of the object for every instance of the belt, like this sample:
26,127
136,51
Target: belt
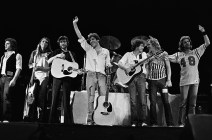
3,75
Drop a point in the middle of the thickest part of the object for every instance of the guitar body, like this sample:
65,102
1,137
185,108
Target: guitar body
124,78
29,99
62,68
104,115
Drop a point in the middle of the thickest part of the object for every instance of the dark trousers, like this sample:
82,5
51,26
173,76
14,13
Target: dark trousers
137,90
66,90
154,87
6,98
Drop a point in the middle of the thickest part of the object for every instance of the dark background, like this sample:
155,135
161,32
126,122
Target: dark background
168,20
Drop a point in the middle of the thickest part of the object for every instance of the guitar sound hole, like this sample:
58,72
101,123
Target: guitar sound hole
132,72
105,104
65,72
108,106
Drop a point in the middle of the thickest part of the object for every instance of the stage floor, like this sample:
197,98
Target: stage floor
40,131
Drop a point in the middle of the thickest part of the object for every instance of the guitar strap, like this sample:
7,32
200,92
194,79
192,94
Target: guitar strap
71,56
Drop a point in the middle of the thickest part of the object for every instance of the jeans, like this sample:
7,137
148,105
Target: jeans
6,99
94,80
154,85
138,102
188,101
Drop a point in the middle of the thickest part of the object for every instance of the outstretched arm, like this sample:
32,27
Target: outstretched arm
206,39
77,31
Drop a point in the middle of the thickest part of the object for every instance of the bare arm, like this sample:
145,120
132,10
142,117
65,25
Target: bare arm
169,73
76,29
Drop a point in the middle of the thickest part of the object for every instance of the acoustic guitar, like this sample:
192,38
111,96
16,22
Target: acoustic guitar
62,68
124,78
104,113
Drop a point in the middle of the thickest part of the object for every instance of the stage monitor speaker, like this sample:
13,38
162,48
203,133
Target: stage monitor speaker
201,126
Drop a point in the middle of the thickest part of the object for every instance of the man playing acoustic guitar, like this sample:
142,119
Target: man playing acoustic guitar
137,85
66,82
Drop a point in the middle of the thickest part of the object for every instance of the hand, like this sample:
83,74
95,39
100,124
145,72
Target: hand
80,71
168,83
75,20
201,28
128,70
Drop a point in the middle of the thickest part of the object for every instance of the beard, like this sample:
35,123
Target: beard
187,46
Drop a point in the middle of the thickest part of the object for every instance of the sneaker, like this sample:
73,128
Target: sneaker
5,121
181,125
133,125
90,123
143,124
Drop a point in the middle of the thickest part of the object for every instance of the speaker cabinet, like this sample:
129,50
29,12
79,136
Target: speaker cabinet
201,126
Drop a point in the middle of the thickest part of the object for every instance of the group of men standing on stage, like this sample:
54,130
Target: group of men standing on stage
153,68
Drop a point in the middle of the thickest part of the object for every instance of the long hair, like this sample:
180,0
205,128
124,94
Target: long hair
181,47
154,43
47,49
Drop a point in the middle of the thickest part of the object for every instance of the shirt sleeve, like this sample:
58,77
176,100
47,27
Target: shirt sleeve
123,60
200,50
165,56
18,61
108,59
84,44
173,58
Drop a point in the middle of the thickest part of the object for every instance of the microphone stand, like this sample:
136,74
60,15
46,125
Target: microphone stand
83,75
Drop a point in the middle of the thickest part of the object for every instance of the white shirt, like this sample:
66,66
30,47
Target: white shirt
95,62
7,55
42,62
129,59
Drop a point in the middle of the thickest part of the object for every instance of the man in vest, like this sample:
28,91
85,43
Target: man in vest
10,68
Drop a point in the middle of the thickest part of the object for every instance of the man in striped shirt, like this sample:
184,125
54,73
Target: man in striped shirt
159,79
189,79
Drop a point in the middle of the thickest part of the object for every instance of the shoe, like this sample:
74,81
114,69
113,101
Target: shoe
133,125
181,125
170,125
5,121
155,125
143,124
90,123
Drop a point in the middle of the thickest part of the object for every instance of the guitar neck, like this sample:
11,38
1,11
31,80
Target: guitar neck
107,90
142,62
